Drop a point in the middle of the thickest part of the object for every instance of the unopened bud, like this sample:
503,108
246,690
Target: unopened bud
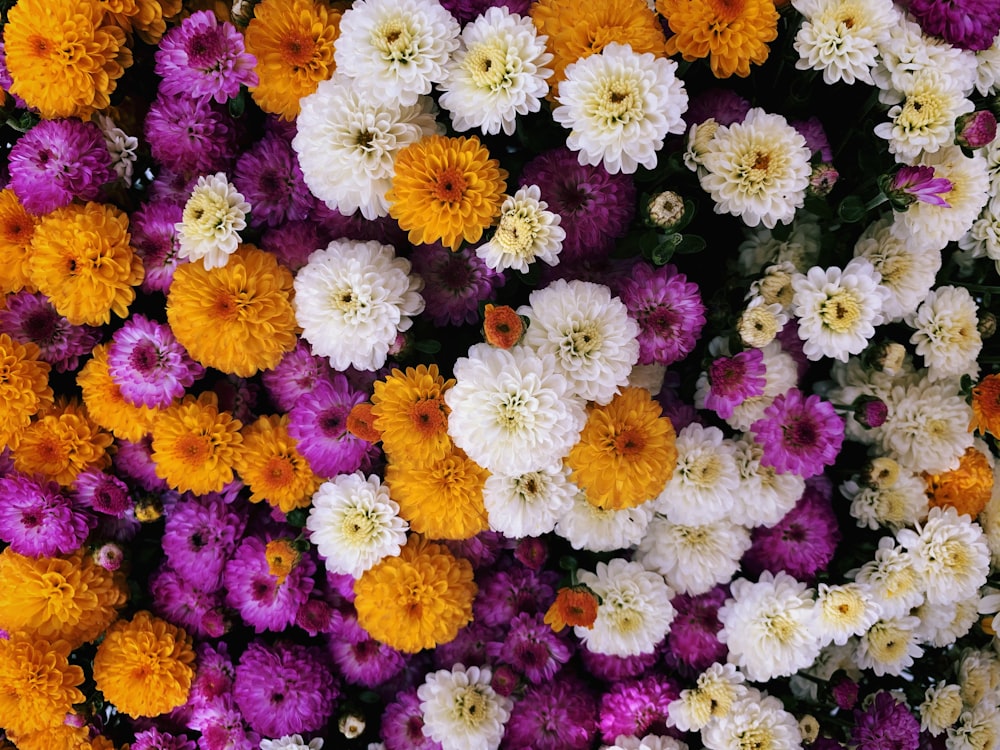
148,509
351,726
976,129
809,728
886,356
987,325
822,180
870,411
666,209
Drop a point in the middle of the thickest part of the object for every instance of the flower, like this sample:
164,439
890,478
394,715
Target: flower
361,659
144,665
635,707
461,710
398,47
17,225
37,517
771,494
757,715
403,724
841,38
502,326
757,169
65,60
718,687
561,714
575,606
24,387
61,444
82,261
730,35
30,317
798,433
456,282
986,405
967,488
529,504
417,599
154,239
320,420
267,592
272,467
976,129
912,184
292,41
105,403
213,217
619,106
40,685
352,299
886,723
446,189
238,318
702,488
270,179
946,333
291,742
411,414
586,526
729,381
101,492
692,643
148,364
526,232
966,24
897,586
626,453
354,523
190,137
496,74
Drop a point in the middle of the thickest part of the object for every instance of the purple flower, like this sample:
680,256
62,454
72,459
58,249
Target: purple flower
318,421
816,141
213,680
403,724
135,462
190,137
295,375
269,177
885,725
204,59
870,411
799,434
533,649
596,207
473,646
149,365
482,550
455,283
222,728
29,316
361,659
38,518
614,668
154,739
154,237
976,129
101,492
255,592
968,24
637,707
315,616
845,693
558,715
724,106
175,599
6,81
200,535
58,161
284,689
668,309
468,10
293,242
732,380
692,644
506,593
911,184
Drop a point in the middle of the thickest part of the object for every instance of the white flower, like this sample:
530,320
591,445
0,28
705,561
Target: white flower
780,373
354,523
764,496
715,691
800,247
756,720
585,526
909,50
946,332
769,626
901,503
398,48
619,105
757,169
635,610
841,37
587,332
989,519
844,610
497,73
893,578
525,233
528,504
460,709
838,309
702,486
942,626
213,217
693,559
291,742
941,707
979,677
983,237
977,728
649,742
890,646
512,411
347,139
352,299
988,68
121,146
649,377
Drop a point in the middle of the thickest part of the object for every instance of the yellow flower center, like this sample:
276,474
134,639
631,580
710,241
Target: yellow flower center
487,64
781,627
844,606
471,706
617,103
840,311
582,341
703,470
194,450
394,40
297,50
758,738
516,233
358,526
206,212
727,10
755,170
886,643
922,108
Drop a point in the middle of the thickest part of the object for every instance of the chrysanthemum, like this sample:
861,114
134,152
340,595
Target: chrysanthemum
201,532
189,137
17,226
731,34
199,611
292,41
40,685
291,742
360,658
757,169
799,433
417,599
352,299
586,526
968,488
37,517
758,716
729,381
398,47
764,495
446,189
319,422
456,282
702,487
893,578
557,715
527,232
267,593
668,309
986,405
81,259
105,403
402,724
195,444
461,710
65,59
498,73
30,317
270,179
61,443
527,505
511,410
946,332
204,59
845,610
967,24
239,318
148,364
841,38
890,646
213,217
272,467
717,688
154,239
692,644
411,414
24,387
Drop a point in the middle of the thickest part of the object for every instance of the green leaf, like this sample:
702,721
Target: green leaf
690,244
297,517
851,210
238,104
427,346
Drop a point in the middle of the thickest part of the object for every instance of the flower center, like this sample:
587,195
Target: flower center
144,357
281,559
297,51
921,109
194,450
799,433
516,233
756,738
393,39
205,51
427,417
756,169
512,413
42,325
629,443
840,311
278,472
582,340
528,486
618,103
350,302
780,627
886,643
471,706
449,186
332,422
358,527
727,10
703,470
487,64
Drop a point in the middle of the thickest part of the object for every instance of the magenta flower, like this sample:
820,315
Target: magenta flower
968,24
262,601
557,715
101,492
732,380
403,724
149,365
295,375
976,129
154,237
693,644
455,283
198,612
533,649
917,183
269,177
886,724
799,434
360,658
37,518
31,317
319,423
190,137
637,707
468,10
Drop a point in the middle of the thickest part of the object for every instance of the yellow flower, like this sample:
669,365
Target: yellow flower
441,499
17,227
69,598
731,33
38,685
626,453
411,416
64,56
61,444
60,737
195,445
446,189
967,489
24,388
272,466
144,666
105,403
81,259
986,405
239,318
143,17
293,43
281,558
417,600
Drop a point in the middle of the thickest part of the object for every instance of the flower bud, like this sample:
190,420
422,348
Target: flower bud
886,356
845,693
351,725
808,728
666,209
148,509
870,411
822,180
987,324
504,680
976,129
531,551
109,556
880,472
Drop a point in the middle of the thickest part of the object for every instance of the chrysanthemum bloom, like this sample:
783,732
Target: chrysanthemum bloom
101,492
65,58
82,260
502,326
693,558
272,467
154,739
62,443
418,599
17,226
196,445
446,189
292,41
967,24
197,610
213,217
946,333
527,232
58,161
154,238
703,486
38,517
30,317
986,405
360,658
200,534
717,688
729,381
967,489
461,710
24,387
575,606
239,318
292,742
105,403
626,451
758,715
297,374
189,137
267,592
503,593
692,644
799,434
455,282
619,106
269,177
586,526
148,364
731,34
40,685
636,707
411,414
144,666
557,715
521,506
532,648
886,723
403,723
320,422
204,59
841,37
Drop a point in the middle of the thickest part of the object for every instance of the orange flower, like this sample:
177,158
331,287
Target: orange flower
575,606
61,444
986,405
272,466
411,416
39,683
24,388
361,423
105,403
502,326
282,557
17,227
967,489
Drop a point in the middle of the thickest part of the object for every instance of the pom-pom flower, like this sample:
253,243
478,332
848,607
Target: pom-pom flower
150,367
24,387
17,226
105,402
62,443
527,232
799,434
272,467
461,710
213,217
40,685
411,414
